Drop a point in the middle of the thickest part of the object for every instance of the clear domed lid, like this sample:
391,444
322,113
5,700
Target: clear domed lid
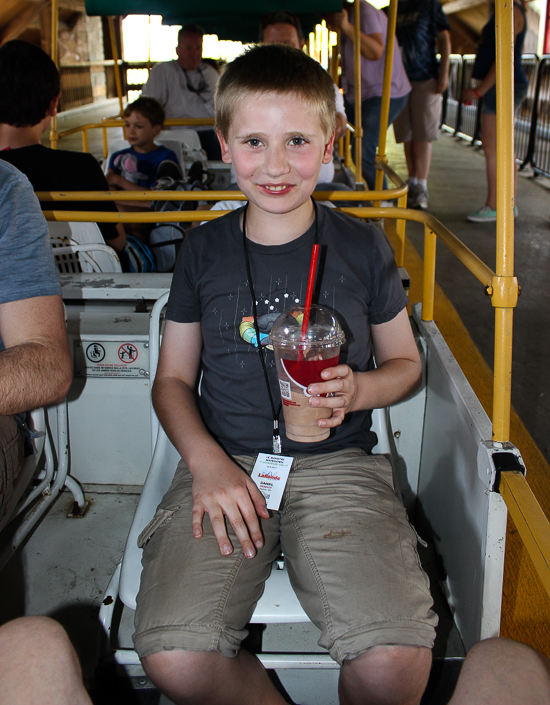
323,327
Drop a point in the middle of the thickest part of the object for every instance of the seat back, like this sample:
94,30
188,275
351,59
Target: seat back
80,247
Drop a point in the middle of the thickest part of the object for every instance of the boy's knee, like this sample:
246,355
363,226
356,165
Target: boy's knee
399,673
186,674
42,631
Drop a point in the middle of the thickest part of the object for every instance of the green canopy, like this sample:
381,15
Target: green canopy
238,20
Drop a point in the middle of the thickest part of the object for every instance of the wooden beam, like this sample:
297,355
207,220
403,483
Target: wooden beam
464,30
19,24
449,8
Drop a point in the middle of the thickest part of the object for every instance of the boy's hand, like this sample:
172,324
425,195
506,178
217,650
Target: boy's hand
341,383
113,179
228,492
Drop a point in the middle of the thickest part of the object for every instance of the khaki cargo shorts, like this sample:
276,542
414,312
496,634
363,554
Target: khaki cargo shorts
420,118
11,459
350,553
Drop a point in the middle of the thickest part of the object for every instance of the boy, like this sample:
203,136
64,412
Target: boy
275,116
135,168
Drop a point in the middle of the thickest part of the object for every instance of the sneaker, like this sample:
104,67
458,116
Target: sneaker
483,215
412,196
421,197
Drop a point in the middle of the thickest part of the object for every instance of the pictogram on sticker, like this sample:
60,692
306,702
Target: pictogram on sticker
127,353
95,352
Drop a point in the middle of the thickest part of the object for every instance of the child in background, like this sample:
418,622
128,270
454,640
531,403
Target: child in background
136,167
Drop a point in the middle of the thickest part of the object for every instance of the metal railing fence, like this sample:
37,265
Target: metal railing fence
532,121
540,130
530,63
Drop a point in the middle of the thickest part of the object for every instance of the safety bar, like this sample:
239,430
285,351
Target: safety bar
530,521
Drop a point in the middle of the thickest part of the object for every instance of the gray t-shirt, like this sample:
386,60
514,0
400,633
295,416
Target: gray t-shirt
357,278
27,267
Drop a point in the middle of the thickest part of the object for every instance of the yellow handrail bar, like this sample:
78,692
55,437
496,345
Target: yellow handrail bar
504,16
386,94
530,521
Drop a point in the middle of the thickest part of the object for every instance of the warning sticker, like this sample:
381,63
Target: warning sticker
111,359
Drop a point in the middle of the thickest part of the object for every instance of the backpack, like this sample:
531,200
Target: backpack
140,256
167,238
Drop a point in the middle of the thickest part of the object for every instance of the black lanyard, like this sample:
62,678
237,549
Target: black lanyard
276,413
202,83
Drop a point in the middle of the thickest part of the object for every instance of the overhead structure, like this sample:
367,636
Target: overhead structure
240,24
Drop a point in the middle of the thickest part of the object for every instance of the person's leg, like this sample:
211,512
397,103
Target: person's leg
208,678
351,557
489,142
194,603
406,668
39,665
409,157
503,672
421,159
370,119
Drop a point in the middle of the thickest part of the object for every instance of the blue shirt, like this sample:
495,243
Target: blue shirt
418,24
486,52
140,168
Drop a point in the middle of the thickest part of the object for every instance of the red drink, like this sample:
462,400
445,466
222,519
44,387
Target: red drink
306,372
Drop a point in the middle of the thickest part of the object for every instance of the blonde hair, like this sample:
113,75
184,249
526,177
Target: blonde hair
275,68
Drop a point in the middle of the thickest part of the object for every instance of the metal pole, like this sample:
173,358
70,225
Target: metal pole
53,123
428,289
386,92
358,124
505,286
117,67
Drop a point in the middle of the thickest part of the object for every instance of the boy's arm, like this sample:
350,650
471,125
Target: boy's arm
397,375
114,179
220,488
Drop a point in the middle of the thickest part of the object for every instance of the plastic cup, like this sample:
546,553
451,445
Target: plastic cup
321,349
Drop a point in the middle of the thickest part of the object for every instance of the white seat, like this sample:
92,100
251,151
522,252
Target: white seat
48,469
80,247
278,603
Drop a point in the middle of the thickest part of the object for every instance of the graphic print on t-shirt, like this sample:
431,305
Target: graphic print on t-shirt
276,302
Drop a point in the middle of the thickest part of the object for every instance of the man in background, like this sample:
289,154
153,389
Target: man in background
185,87
421,27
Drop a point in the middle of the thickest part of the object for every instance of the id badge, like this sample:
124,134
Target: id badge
270,475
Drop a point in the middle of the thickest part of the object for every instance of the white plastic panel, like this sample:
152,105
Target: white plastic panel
467,521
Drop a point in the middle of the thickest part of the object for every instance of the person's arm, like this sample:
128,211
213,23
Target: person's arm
372,45
117,180
397,375
220,488
341,126
444,43
36,367
119,242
